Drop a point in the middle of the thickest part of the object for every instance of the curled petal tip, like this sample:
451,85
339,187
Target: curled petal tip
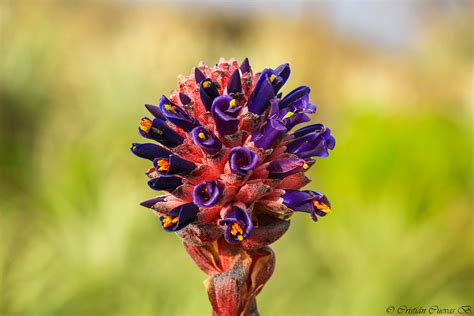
151,202
206,140
234,85
154,110
185,100
207,194
198,75
245,66
242,161
225,111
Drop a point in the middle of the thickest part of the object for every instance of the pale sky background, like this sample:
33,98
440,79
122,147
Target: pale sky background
387,24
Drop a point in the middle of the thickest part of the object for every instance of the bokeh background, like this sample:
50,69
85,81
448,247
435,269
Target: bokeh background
393,80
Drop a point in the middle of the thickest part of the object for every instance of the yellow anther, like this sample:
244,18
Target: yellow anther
201,135
321,206
169,221
237,231
163,165
206,84
145,125
288,115
272,77
169,108
305,166
232,103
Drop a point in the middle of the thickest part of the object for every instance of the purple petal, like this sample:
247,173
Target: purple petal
225,116
245,66
149,151
198,75
280,169
207,194
234,85
207,141
185,213
242,161
165,183
240,217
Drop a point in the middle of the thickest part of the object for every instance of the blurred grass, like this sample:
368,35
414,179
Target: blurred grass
74,240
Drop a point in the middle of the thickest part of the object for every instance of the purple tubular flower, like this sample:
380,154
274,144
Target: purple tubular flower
282,74
168,184
207,194
159,131
177,115
242,161
179,217
238,224
307,201
198,75
308,129
245,66
312,144
260,98
225,111
185,100
206,140
234,86
270,133
296,107
173,165
149,151
208,92
294,95
153,109
280,169
151,202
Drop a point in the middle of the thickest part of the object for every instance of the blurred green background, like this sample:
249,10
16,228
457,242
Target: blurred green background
393,80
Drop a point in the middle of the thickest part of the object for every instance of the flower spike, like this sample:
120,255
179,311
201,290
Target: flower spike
232,169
